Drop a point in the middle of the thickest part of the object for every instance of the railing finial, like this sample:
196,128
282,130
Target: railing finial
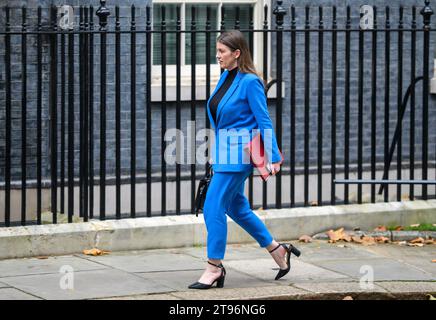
426,13
102,14
279,12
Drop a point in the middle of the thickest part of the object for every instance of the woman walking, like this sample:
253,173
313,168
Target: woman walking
239,104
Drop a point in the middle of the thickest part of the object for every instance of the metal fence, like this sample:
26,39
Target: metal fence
56,49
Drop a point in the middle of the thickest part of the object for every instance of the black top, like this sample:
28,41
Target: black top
213,104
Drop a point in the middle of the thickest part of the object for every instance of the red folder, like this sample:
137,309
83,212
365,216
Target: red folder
256,150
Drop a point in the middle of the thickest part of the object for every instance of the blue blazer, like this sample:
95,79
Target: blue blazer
241,114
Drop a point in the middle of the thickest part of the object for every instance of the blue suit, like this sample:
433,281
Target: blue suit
241,110
241,114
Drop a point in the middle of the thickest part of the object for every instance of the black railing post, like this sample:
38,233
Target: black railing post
133,114
306,104
293,103
148,110
8,119
426,13
102,14
320,103
23,115
53,114
265,77
279,12
39,120
117,114
163,39
334,104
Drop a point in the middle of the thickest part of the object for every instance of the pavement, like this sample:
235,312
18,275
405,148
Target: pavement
323,271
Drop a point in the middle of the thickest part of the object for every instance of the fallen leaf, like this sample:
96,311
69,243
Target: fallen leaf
95,252
402,243
305,239
429,241
430,297
42,257
380,229
338,235
342,246
335,235
382,239
314,203
368,241
417,240
415,225
348,298
434,260
398,228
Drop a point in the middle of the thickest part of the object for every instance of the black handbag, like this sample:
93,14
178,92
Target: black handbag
202,190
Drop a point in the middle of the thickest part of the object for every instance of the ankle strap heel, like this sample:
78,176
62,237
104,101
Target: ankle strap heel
216,265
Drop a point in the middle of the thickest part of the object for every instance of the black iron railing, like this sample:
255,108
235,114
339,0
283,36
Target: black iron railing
90,52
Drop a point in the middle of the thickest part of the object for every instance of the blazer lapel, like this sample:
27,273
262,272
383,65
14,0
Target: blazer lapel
228,94
220,83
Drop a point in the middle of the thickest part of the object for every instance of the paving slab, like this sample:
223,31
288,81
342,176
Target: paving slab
382,269
321,250
275,292
180,280
29,266
266,269
334,287
157,296
148,261
418,257
86,285
233,252
409,287
14,294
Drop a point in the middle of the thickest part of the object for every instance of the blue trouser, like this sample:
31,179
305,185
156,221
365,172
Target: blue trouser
225,195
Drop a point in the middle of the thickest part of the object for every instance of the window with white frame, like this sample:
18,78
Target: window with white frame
246,8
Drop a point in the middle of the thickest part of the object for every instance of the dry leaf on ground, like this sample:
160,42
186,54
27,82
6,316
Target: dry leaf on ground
430,297
338,235
429,241
380,229
305,239
417,240
415,225
398,228
42,257
382,239
348,298
314,203
95,252
368,241
434,260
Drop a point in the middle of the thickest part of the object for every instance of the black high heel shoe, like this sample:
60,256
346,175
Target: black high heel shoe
219,281
289,249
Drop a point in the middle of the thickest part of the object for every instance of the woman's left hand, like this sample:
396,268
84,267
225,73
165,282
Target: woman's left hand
274,168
